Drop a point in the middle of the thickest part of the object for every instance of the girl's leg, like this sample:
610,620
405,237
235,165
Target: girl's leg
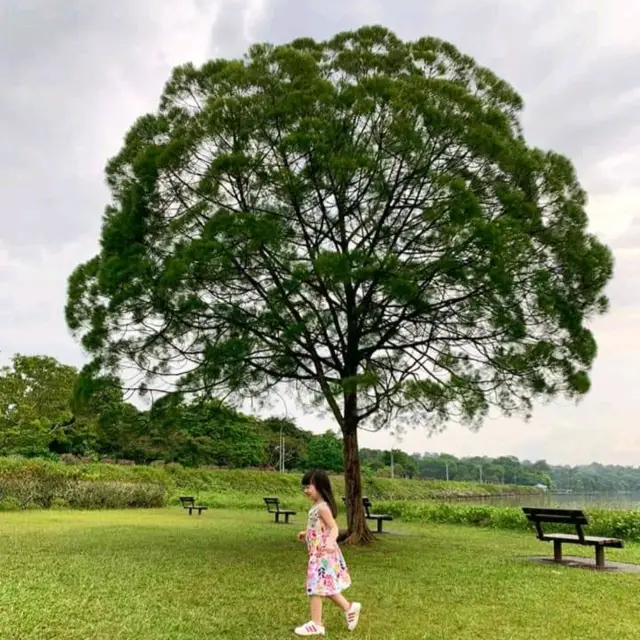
316,610
341,601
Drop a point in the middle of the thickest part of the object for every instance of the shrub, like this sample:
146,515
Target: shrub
59,504
9,504
40,481
602,522
114,495
51,491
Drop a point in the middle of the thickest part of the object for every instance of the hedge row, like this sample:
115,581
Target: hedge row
47,493
33,481
614,523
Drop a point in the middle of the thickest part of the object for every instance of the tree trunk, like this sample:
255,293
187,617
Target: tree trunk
358,532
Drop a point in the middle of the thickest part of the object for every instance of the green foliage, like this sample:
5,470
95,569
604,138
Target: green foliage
592,478
505,469
596,478
95,485
46,484
616,523
10,503
354,217
325,452
46,409
208,433
35,395
379,463
56,492
59,504
113,495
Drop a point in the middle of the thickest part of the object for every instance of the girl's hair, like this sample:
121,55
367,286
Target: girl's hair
320,480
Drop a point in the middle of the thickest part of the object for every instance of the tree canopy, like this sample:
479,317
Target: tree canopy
49,409
360,220
35,403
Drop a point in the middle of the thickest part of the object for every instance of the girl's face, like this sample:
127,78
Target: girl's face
311,492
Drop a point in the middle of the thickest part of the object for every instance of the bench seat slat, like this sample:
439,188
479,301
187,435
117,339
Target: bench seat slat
588,540
375,516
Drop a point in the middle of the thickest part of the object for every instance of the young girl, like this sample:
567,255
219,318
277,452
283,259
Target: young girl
327,574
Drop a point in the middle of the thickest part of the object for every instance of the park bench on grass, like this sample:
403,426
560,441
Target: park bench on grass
574,517
273,506
379,518
189,502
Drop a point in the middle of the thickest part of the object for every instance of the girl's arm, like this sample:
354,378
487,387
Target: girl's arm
329,520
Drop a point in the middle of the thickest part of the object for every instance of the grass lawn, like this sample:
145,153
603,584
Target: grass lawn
234,575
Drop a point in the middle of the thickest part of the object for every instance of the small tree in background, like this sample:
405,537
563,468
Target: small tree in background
325,452
35,404
358,220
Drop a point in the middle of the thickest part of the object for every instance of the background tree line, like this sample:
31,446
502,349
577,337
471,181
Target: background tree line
594,477
46,410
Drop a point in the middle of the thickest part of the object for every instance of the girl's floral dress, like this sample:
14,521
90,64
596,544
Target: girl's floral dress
327,574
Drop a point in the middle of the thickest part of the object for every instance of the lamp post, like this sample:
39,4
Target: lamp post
281,445
282,451
393,445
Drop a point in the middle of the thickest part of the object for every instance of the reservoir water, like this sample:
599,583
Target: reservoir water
630,500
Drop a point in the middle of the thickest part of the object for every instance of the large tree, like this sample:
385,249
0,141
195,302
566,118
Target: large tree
360,220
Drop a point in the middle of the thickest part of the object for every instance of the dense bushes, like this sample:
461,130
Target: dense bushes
615,523
44,484
253,485
94,485
49,492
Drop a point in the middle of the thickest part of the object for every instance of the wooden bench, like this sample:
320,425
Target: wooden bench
189,502
572,517
379,518
273,506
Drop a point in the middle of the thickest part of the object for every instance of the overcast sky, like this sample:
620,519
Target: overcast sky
75,74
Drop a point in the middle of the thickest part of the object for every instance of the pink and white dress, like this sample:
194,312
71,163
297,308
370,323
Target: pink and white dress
327,573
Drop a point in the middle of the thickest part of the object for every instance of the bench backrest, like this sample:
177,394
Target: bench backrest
546,515
366,503
273,504
187,501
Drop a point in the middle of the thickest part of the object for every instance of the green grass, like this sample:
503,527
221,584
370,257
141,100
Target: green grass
234,575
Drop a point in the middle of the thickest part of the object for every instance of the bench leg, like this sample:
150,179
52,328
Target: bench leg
190,510
557,551
379,526
599,557
286,518
277,517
